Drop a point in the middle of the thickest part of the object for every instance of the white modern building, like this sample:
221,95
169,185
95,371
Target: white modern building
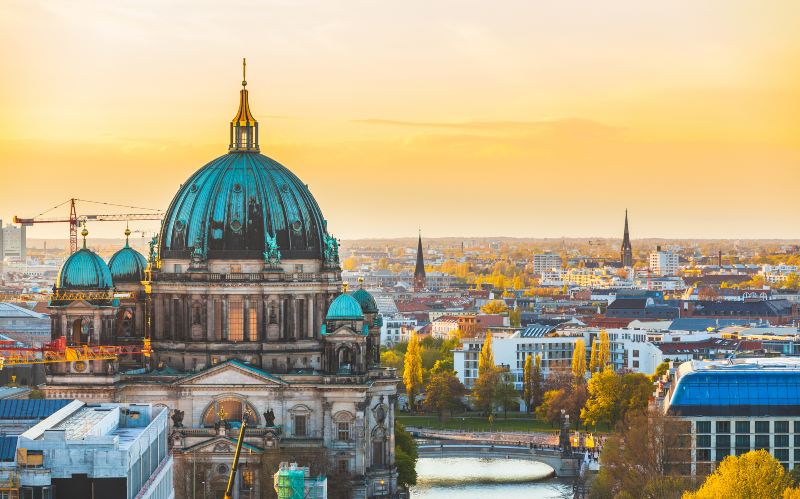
664,262
97,450
395,330
543,262
13,242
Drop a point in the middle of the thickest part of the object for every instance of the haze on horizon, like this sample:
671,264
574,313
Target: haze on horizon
537,119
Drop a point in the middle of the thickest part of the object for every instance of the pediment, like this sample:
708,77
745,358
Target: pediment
344,332
231,373
219,445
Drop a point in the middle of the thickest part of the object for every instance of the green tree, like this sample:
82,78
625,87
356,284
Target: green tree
526,382
506,394
405,456
486,357
571,399
661,370
390,358
579,361
515,317
443,393
753,475
412,370
612,397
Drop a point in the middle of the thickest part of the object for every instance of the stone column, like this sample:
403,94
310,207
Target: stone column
311,328
261,322
98,329
328,432
210,318
292,318
171,307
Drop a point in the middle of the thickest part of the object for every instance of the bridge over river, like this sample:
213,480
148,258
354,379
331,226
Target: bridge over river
564,465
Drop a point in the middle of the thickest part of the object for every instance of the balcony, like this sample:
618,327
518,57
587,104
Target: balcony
205,277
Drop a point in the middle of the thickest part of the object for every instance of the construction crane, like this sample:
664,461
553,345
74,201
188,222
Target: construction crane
74,219
57,351
232,476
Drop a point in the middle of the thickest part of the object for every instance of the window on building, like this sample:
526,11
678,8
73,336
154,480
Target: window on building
704,440
743,427
703,427
762,426
781,427
797,455
781,455
247,480
252,324
300,429
762,442
781,440
722,453
723,426
743,442
723,441
343,431
343,466
797,426
636,364
703,455
235,319
797,442
636,353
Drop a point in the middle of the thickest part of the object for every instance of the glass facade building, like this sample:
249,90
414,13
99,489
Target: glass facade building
737,406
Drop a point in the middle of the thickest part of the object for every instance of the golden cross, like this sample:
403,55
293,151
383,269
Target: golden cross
244,72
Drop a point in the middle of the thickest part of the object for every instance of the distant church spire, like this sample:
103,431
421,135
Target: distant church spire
626,252
419,270
244,128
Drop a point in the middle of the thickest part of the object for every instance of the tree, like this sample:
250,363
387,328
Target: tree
486,357
405,456
484,390
506,394
527,392
515,317
661,370
754,474
604,352
390,358
494,307
646,457
571,399
612,397
443,393
579,360
412,370
593,357
537,390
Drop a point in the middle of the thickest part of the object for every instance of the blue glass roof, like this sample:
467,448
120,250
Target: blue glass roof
30,408
757,392
127,265
8,449
231,204
84,269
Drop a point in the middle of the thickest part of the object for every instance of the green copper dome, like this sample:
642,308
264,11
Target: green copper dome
127,265
345,308
366,300
229,207
84,269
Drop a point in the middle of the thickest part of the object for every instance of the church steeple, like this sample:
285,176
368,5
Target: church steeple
244,128
626,252
419,269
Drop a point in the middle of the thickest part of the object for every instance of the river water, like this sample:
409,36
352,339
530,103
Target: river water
463,478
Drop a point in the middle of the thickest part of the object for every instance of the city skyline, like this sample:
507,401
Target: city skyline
545,121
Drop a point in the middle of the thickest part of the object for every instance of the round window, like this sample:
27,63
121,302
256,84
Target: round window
236,225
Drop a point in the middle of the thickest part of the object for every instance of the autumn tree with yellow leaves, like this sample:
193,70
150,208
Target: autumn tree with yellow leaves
412,370
753,475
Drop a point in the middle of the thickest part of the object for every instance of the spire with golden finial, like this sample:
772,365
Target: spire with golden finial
127,235
244,128
84,233
345,286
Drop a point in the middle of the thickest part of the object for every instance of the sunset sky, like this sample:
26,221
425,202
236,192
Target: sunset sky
464,118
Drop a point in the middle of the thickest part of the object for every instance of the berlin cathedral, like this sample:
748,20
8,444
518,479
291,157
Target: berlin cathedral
241,300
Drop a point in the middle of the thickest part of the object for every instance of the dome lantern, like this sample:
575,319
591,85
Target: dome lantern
244,128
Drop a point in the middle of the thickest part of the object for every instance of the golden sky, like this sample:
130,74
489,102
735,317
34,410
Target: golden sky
528,118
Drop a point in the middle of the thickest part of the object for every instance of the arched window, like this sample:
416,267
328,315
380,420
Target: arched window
229,409
379,447
343,426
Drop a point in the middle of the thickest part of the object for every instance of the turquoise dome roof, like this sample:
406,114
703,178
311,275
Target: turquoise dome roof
229,205
344,307
366,300
84,269
127,265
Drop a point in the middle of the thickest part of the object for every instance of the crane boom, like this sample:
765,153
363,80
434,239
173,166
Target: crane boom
232,476
74,219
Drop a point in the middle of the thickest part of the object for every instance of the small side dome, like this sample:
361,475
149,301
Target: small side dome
344,308
84,269
366,300
127,264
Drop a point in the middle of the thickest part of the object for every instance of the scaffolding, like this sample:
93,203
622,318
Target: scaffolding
293,482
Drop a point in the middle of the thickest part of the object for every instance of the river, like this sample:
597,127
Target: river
464,478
